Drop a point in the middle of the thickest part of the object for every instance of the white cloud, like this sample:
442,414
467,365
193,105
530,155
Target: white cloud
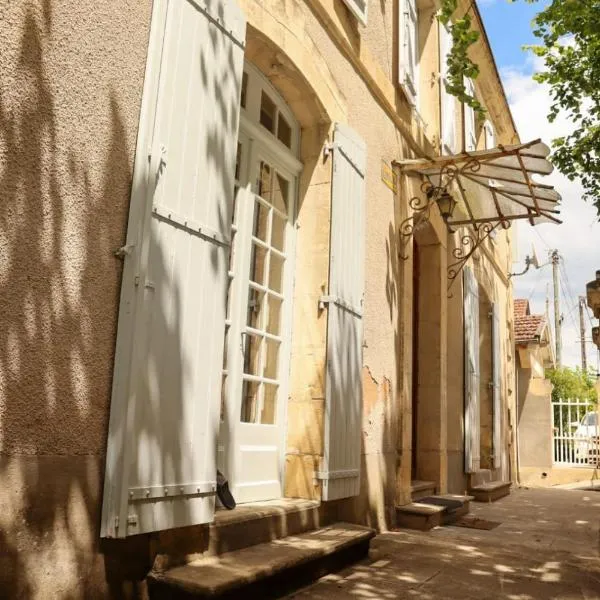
576,239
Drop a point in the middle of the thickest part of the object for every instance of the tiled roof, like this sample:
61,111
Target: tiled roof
528,327
521,307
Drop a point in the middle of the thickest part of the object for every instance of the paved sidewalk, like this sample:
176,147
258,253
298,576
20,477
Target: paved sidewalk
547,547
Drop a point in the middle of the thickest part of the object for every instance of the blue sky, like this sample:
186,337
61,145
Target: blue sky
508,27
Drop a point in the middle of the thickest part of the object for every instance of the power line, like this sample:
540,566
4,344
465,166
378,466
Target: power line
548,247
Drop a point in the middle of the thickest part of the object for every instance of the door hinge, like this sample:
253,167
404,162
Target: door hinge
124,251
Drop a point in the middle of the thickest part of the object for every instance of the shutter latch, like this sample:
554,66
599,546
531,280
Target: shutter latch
124,251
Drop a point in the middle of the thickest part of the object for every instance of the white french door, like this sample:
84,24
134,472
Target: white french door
251,444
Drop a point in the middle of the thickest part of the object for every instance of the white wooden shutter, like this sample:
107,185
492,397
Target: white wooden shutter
161,455
469,119
490,136
359,9
447,101
408,49
496,365
340,471
471,331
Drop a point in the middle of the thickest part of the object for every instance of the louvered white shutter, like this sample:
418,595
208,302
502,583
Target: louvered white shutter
161,456
447,101
471,331
340,471
358,9
490,136
496,365
469,115
408,47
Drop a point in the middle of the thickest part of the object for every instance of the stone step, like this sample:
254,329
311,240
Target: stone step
257,523
432,511
491,491
419,516
420,489
480,477
267,570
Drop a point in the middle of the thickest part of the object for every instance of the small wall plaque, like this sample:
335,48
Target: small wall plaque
388,176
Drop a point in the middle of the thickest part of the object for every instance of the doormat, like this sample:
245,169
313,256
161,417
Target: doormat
475,523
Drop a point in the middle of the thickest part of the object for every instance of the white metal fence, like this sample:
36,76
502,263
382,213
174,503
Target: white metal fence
575,433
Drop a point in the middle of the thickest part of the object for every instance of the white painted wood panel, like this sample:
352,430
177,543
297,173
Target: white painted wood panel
161,456
447,101
359,8
340,472
408,59
471,333
496,370
469,119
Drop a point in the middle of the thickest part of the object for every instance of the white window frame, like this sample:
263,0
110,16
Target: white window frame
263,144
257,83
358,8
408,66
490,135
470,126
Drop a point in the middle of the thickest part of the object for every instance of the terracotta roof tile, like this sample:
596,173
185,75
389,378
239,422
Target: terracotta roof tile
528,328
521,307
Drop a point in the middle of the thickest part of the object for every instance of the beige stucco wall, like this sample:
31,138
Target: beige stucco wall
69,103
70,94
534,418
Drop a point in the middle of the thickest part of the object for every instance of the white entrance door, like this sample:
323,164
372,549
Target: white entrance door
257,365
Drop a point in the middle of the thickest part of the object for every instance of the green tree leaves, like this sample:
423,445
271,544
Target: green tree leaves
571,384
458,62
569,34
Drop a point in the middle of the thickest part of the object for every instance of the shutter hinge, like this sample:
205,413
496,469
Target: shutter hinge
136,280
329,148
116,522
124,251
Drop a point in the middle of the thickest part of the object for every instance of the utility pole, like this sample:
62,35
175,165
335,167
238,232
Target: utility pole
557,332
582,333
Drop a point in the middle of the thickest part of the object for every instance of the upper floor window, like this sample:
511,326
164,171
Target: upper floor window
490,135
358,9
470,141
408,59
447,101
262,105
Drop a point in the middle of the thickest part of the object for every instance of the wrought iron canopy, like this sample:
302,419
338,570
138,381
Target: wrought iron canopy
493,186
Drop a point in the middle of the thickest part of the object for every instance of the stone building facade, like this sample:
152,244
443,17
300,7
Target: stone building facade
324,360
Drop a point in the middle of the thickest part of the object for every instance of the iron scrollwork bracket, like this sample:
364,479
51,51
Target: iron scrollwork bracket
469,243
421,206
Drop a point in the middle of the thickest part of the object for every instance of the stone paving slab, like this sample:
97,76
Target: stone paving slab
547,547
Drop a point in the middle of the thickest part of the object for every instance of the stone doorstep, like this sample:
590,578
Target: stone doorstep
259,522
423,516
480,477
247,525
491,491
420,489
271,564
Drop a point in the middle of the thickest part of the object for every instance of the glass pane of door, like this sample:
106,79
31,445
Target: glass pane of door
262,345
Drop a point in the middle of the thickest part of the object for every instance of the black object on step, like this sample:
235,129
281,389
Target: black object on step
223,493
